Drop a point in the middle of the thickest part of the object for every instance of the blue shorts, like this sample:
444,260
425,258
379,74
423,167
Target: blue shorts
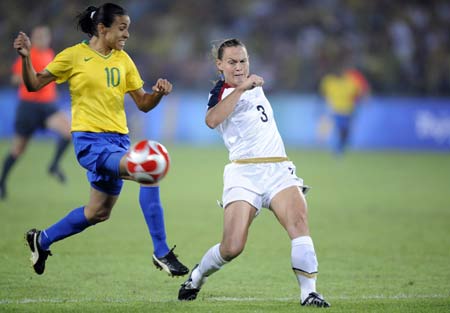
100,154
342,121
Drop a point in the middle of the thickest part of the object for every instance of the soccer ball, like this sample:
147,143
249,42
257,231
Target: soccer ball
148,161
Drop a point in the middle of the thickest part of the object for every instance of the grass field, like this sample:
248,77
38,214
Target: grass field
380,223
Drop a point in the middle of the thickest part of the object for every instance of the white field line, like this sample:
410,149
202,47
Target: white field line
220,299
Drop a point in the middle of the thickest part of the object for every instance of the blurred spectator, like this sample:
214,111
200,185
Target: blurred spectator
402,46
36,110
342,89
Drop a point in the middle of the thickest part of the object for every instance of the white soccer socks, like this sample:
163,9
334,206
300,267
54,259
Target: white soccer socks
305,265
303,259
211,262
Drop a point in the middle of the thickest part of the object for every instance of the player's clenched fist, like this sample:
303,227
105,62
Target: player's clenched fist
162,86
22,44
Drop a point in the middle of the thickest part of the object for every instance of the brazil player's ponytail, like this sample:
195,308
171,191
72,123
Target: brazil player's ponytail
92,16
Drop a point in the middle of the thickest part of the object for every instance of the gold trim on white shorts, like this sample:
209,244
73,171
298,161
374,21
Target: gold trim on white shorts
261,160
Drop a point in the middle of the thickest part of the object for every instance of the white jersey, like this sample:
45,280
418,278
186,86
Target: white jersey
250,131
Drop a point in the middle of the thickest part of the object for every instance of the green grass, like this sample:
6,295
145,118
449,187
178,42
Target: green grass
380,223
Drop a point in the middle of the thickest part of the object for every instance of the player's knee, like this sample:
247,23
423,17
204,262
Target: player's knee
16,152
301,223
298,225
231,251
302,219
97,215
100,217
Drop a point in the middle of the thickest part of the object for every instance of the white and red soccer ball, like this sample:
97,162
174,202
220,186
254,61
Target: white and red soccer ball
148,161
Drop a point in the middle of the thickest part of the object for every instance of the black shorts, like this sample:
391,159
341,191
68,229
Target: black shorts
31,116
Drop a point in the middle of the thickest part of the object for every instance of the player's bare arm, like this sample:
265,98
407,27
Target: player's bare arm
225,107
148,101
32,80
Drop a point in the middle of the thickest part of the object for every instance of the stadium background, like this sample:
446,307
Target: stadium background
402,47
379,215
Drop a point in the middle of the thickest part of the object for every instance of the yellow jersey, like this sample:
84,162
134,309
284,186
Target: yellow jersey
98,85
340,92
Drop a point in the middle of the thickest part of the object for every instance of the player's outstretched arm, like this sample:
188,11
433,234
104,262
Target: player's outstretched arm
32,80
147,101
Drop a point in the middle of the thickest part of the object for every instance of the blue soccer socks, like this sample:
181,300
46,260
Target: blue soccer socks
71,224
154,217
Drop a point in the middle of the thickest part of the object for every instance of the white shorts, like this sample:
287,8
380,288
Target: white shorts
257,184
